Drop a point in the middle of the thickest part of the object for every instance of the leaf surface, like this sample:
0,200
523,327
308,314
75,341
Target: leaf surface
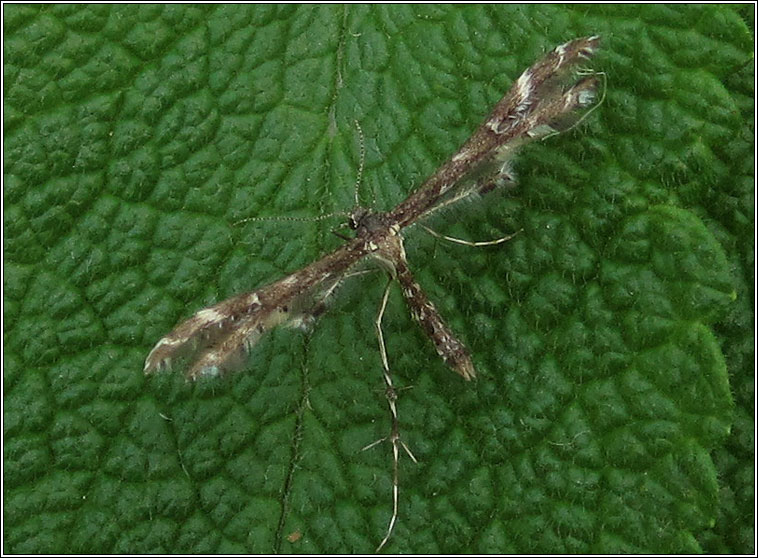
613,338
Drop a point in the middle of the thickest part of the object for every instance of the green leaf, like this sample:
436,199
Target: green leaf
613,337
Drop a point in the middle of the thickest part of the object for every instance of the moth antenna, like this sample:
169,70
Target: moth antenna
362,161
342,214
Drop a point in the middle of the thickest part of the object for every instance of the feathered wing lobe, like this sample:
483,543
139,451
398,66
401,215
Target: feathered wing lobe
230,352
546,98
218,339
204,329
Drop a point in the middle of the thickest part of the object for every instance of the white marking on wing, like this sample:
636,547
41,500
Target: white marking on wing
210,315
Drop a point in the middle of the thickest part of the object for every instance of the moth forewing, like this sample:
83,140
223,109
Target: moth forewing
218,339
205,329
538,98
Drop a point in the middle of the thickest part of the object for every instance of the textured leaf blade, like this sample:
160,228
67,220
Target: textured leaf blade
603,333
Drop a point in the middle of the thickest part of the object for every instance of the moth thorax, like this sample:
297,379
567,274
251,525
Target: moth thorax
365,221
357,216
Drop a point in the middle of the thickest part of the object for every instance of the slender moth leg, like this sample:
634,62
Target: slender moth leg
468,242
394,436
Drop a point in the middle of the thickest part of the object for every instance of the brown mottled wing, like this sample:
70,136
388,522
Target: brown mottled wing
209,329
219,338
451,349
541,101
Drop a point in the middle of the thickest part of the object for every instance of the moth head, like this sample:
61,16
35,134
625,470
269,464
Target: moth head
356,217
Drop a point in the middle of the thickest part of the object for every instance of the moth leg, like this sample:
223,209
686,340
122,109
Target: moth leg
394,436
468,242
